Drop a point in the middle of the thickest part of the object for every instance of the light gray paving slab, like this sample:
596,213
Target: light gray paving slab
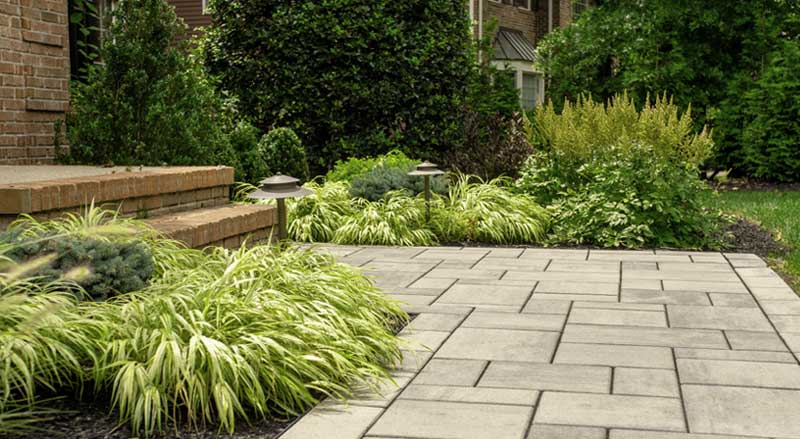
441,283
577,287
717,317
542,431
499,345
732,300
577,297
406,291
507,309
646,382
560,276
641,284
739,373
396,265
634,265
786,323
512,264
781,307
641,336
544,306
620,306
467,294
742,411
387,280
555,253
452,273
756,272
452,420
331,420
771,293
765,281
504,252
439,309
755,341
564,377
618,317
449,372
665,297
435,322
610,411
687,275
649,434
471,394
668,267
705,286
423,340
530,322
585,266
379,393
792,340
725,354
413,299
614,355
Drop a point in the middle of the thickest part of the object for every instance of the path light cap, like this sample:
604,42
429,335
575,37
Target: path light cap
278,187
426,168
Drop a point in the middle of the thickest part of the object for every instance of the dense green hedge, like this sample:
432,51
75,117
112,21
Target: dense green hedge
351,78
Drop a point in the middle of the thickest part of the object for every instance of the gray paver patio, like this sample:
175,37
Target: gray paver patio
578,344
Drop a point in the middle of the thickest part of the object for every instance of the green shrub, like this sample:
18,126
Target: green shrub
383,179
147,103
355,167
615,177
283,152
488,212
352,78
397,219
206,342
113,267
252,165
771,133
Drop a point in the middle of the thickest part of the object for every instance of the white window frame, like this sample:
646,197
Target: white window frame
519,68
524,8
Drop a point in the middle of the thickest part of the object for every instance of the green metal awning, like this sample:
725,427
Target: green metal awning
511,45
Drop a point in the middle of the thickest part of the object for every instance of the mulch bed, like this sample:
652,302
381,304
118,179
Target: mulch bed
85,420
744,236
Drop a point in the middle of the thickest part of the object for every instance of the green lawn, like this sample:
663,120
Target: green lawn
776,211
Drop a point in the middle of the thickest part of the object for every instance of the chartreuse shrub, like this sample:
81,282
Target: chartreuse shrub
354,167
614,176
397,219
148,102
316,217
216,338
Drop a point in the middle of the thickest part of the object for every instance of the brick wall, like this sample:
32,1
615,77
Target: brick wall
34,77
532,23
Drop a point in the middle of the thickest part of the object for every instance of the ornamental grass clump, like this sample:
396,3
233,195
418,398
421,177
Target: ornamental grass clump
216,338
397,219
489,212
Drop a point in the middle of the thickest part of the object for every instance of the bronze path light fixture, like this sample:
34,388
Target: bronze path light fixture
427,169
280,187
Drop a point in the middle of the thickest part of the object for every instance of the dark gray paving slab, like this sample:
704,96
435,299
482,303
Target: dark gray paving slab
615,355
640,336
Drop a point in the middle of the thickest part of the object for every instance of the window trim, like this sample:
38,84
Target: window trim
520,68
204,7
524,8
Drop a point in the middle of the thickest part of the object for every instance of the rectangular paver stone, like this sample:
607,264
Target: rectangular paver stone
435,322
451,420
327,420
646,382
665,297
614,411
755,341
544,306
564,377
583,287
742,411
717,317
671,337
529,322
449,372
467,294
541,431
724,354
641,434
471,394
618,317
739,373
615,355
499,345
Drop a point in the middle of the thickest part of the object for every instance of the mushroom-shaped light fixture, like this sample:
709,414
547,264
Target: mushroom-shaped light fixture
427,169
280,187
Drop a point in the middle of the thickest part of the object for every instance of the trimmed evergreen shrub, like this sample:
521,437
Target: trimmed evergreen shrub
355,167
148,102
253,166
351,78
383,179
283,153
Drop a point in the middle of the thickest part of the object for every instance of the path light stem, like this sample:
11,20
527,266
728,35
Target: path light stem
426,170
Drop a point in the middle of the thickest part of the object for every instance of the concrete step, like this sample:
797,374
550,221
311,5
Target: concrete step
224,226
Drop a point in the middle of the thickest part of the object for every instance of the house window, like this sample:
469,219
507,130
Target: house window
530,90
578,6
524,4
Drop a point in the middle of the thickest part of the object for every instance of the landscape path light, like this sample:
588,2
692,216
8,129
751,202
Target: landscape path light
427,169
280,187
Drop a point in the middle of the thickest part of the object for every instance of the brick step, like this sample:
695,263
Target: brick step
225,226
46,192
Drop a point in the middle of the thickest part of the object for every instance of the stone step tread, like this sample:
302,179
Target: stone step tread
211,226
54,193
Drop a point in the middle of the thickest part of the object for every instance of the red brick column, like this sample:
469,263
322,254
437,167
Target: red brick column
34,77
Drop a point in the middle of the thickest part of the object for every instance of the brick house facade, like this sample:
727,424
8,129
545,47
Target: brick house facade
34,77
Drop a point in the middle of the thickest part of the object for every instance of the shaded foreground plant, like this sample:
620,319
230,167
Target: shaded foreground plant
217,337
